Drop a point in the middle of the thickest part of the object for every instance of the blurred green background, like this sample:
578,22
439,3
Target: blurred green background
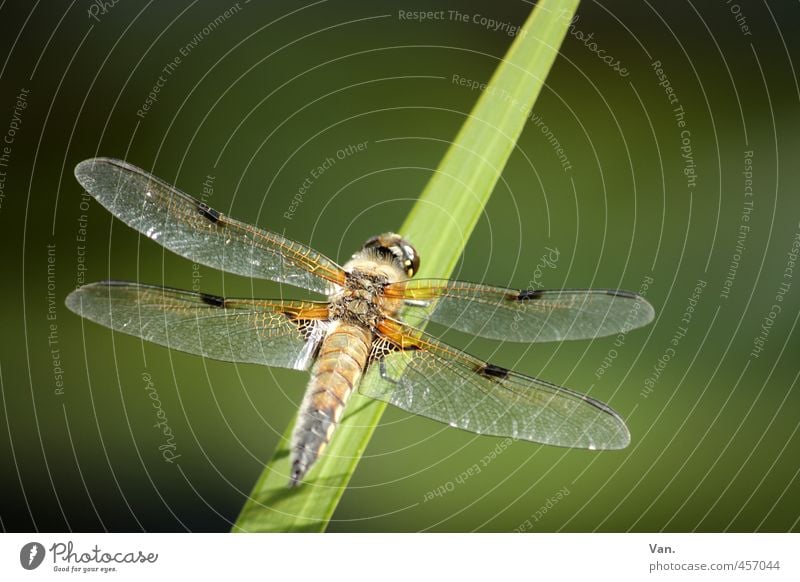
260,97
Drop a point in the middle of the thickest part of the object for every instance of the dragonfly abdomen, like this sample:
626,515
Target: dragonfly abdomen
336,373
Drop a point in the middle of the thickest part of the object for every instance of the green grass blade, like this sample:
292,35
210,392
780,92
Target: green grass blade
439,225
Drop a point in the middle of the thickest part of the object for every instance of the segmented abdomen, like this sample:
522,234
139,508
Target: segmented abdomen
339,366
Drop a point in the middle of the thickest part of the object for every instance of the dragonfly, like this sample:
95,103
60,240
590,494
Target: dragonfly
356,339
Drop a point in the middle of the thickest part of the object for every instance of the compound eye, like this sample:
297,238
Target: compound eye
414,264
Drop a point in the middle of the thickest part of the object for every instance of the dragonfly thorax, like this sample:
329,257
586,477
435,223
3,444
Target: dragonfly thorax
359,301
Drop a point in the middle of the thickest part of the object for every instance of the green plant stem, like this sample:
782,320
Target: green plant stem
439,226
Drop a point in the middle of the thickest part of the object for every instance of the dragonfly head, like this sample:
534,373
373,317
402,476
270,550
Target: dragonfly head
395,247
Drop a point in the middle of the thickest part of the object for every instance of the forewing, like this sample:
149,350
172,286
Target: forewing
524,316
414,372
284,334
197,232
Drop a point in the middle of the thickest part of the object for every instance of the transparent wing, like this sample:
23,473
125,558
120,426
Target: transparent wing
195,231
524,316
284,334
414,372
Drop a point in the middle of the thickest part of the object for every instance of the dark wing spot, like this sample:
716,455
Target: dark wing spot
290,315
212,300
493,371
529,294
621,293
207,212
